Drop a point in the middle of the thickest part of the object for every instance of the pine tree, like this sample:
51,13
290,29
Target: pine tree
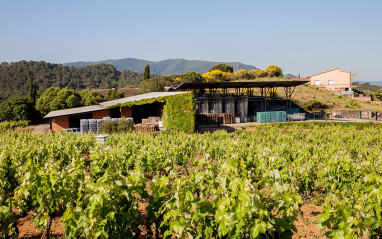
146,75
32,90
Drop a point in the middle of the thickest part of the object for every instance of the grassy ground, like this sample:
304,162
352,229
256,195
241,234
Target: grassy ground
303,94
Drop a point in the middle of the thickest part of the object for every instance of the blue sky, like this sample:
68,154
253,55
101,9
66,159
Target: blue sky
306,36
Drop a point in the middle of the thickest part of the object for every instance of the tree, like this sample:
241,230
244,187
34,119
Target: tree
157,84
191,77
216,75
32,90
55,98
222,67
90,97
274,71
112,94
18,108
146,74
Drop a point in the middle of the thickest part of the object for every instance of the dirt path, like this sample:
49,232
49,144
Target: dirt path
42,128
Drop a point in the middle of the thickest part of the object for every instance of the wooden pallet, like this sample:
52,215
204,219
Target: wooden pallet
145,128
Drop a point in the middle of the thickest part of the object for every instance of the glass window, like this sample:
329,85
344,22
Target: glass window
330,82
316,82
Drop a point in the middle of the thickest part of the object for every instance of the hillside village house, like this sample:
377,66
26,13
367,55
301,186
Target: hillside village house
334,80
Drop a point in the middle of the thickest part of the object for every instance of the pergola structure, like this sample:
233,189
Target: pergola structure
233,97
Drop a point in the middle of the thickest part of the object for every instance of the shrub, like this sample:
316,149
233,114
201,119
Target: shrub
6,125
353,104
340,97
107,127
123,125
314,105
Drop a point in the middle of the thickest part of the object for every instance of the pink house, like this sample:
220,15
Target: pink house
335,80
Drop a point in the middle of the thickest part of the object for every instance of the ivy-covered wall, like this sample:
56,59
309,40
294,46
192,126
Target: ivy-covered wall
179,112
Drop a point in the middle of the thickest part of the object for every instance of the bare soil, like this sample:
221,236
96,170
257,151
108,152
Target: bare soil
306,225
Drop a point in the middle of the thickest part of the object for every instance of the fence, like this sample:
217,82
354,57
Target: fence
356,114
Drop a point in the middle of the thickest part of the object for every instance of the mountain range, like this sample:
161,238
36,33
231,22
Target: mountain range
165,67
378,83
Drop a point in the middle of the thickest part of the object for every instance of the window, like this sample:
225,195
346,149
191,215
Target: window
330,82
316,82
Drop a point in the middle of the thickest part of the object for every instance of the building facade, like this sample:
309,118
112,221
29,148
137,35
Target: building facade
334,80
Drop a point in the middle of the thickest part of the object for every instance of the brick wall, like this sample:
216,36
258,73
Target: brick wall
100,114
127,112
60,123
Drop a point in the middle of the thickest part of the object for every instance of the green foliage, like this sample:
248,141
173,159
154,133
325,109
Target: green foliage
32,90
358,91
249,184
13,77
56,99
17,109
222,67
112,94
314,105
146,74
190,77
353,104
157,84
178,113
6,125
90,97
140,102
377,96
122,126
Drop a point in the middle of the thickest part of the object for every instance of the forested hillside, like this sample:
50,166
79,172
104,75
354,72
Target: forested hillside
14,77
165,67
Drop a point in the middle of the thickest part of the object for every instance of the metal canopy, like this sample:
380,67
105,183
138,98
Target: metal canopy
235,84
74,111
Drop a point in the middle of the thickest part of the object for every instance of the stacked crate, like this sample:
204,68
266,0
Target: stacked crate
228,118
144,128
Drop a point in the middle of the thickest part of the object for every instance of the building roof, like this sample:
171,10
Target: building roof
333,70
106,104
74,111
299,79
138,98
236,84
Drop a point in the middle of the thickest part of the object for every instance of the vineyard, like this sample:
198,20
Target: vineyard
248,184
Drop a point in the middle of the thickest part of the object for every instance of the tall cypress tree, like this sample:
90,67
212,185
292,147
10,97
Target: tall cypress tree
146,75
32,90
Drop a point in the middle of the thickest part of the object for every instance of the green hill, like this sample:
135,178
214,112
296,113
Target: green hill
165,67
14,77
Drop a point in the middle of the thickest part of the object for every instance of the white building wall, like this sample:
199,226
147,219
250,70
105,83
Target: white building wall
340,79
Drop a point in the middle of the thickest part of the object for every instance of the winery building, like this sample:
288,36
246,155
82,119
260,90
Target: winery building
136,107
